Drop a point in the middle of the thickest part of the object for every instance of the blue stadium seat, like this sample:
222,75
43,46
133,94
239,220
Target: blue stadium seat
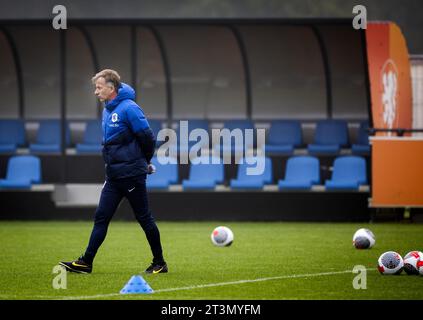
301,173
329,137
241,124
362,147
349,173
156,126
192,125
165,175
49,137
12,135
246,181
22,171
284,136
93,137
205,176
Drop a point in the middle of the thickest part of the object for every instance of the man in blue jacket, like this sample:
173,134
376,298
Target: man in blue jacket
128,146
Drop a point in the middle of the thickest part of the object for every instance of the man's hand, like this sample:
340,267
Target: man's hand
151,168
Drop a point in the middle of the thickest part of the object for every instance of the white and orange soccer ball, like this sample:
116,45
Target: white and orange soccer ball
390,262
222,236
413,263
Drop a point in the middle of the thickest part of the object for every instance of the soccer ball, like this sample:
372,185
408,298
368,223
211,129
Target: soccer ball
364,239
413,262
390,263
222,236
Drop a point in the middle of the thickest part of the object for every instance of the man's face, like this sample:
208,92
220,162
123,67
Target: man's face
103,90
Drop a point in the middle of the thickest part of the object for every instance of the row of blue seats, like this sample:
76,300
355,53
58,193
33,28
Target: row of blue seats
302,172
283,136
286,135
48,138
329,137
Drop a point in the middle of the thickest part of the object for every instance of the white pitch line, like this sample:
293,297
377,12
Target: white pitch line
4,296
222,284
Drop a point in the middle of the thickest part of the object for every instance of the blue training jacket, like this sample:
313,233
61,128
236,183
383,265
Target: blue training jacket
128,141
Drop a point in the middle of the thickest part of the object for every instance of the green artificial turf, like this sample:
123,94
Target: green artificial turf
270,261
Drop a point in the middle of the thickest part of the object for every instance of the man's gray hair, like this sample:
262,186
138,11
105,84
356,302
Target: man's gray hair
110,76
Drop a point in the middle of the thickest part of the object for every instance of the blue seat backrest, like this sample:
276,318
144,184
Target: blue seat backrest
363,135
12,131
24,168
303,168
207,172
330,132
266,176
350,168
165,171
284,132
49,132
93,132
198,124
155,125
238,124
241,124
194,124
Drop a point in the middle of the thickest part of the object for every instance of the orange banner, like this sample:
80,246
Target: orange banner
397,172
389,74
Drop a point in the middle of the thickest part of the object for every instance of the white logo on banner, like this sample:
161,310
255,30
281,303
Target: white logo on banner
389,96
